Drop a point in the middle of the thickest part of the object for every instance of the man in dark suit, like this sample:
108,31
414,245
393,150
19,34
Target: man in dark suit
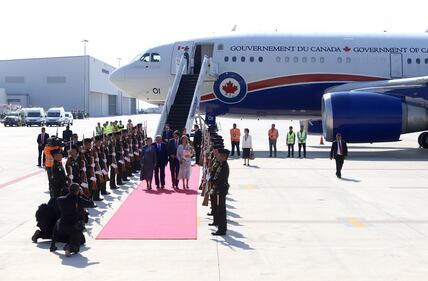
197,142
41,141
174,164
66,137
162,160
167,133
339,151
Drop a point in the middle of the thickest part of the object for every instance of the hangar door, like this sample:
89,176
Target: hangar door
396,60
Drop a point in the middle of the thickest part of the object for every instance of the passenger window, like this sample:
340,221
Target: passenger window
287,59
155,57
234,59
418,61
145,57
409,61
295,59
426,61
243,59
304,59
260,59
313,60
251,59
226,58
220,47
339,60
278,59
322,60
348,60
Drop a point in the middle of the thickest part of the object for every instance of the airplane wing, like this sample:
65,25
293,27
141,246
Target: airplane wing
382,86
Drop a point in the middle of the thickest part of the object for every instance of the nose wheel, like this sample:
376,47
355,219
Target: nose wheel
423,140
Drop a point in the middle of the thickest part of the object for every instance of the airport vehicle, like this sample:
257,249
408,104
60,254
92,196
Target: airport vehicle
14,118
69,118
371,88
34,116
55,116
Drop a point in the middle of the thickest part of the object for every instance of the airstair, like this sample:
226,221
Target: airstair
182,102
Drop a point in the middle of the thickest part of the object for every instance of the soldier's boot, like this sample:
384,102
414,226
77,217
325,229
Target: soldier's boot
96,195
104,189
37,234
113,180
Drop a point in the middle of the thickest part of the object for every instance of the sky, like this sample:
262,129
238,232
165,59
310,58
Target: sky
122,29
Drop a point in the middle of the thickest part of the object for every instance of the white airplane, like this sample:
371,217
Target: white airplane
371,88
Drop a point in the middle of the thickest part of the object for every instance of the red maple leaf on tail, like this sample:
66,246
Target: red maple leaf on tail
229,88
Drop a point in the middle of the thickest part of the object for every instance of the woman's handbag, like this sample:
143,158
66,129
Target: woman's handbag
252,156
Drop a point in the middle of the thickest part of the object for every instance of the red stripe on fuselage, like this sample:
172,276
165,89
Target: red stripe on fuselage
303,78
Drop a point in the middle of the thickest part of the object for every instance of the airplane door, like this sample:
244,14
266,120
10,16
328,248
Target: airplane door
396,60
177,52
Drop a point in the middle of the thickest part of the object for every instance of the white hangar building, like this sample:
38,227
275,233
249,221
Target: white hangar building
76,83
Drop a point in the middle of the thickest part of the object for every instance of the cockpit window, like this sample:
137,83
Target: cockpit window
145,57
156,57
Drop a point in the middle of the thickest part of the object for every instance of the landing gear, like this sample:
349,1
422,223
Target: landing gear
423,140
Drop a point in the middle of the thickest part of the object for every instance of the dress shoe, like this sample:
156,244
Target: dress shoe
163,187
209,214
68,253
218,233
114,187
105,193
53,248
36,236
213,224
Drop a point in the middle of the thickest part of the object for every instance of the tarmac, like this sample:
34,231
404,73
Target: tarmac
289,218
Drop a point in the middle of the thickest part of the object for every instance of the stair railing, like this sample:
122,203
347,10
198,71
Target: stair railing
170,98
197,94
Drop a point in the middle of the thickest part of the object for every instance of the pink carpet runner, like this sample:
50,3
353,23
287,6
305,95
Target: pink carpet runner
164,214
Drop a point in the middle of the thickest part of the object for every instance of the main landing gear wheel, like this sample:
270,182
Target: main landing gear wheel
423,140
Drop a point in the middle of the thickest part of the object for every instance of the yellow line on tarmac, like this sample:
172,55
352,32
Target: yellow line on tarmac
355,222
249,186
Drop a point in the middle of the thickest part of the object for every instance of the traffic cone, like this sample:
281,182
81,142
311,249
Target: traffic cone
321,141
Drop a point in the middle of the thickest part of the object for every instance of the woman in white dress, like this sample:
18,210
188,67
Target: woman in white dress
247,145
184,155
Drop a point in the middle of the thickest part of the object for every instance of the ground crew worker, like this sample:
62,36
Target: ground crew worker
221,188
120,126
235,137
59,180
273,136
301,139
99,131
291,139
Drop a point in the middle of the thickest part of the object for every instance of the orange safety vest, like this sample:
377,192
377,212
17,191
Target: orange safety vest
49,160
273,134
235,134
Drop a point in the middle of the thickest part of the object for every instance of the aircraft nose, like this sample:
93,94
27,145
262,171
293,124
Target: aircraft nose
117,77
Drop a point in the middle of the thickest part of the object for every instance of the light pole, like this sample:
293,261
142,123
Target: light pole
118,62
84,41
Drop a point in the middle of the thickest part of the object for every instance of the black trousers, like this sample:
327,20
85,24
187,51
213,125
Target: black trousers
160,169
197,153
119,174
50,180
213,200
112,177
339,164
290,148
272,146
41,156
304,149
221,219
235,144
174,167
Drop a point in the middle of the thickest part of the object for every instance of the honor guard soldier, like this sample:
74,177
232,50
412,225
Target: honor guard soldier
221,188
59,180
72,166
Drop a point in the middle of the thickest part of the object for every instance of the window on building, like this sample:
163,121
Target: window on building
242,59
226,58
14,79
155,57
145,57
251,59
220,47
418,61
234,59
56,79
409,61
105,71
260,59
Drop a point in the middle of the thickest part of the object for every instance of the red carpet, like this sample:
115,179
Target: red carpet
163,214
